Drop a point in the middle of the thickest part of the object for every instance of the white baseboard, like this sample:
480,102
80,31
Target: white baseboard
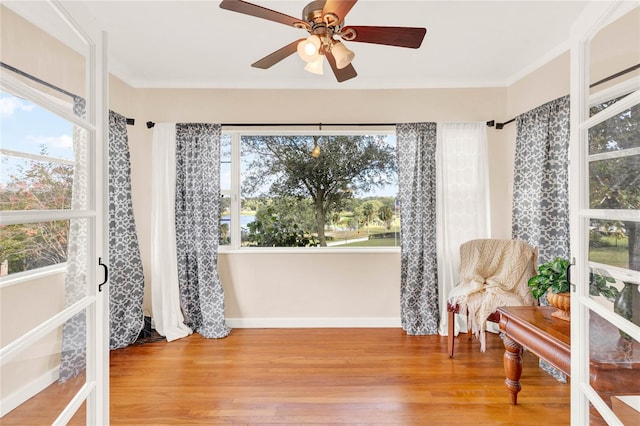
29,390
313,322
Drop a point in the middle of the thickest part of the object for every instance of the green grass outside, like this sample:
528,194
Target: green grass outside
360,233
615,252
377,242
615,256
615,242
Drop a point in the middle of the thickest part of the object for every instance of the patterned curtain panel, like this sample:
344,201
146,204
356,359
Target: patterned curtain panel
417,195
197,227
541,179
74,333
541,186
126,280
126,283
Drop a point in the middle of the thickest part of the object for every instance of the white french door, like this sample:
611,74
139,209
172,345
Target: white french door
33,353
605,217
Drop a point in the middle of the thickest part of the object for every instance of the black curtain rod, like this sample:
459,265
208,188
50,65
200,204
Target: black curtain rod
491,123
616,75
150,124
604,80
37,80
499,126
130,121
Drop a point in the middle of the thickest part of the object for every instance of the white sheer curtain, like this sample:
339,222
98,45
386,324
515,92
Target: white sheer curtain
462,201
165,294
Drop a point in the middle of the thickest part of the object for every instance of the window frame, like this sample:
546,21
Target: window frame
235,193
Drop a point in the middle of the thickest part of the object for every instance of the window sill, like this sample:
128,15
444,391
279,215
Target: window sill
307,250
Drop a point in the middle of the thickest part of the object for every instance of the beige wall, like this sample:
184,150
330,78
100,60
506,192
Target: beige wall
274,286
310,289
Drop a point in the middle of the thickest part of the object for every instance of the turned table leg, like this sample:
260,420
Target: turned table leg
512,368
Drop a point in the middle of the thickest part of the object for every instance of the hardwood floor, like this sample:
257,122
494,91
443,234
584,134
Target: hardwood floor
316,376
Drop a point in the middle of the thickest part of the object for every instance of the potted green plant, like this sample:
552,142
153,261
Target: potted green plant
552,281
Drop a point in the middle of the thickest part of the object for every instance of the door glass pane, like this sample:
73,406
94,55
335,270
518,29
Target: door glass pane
35,373
39,154
614,362
617,133
614,174
33,245
29,246
614,243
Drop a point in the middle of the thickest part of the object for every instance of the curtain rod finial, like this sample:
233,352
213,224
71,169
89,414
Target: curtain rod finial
150,124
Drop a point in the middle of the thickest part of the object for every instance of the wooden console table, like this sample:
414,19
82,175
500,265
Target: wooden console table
614,361
534,328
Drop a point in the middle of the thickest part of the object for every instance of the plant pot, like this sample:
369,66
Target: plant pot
562,302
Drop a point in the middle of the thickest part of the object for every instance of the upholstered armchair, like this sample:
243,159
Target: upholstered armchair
493,273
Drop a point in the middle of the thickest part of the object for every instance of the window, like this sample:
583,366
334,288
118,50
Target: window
37,161
281,195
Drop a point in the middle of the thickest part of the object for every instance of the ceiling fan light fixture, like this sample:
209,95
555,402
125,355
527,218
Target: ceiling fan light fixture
323,20
343,55
315,67
309,48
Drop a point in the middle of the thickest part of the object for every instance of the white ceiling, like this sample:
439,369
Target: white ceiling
197,44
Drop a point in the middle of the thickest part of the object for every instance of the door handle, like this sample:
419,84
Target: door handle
106,274
568,274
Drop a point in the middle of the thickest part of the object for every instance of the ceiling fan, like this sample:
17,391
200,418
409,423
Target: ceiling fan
324,20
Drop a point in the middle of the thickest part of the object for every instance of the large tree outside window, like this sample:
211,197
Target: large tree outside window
345,196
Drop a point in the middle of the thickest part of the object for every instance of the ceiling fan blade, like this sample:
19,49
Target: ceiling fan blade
275,57
262,12
390,36
343,74
340,8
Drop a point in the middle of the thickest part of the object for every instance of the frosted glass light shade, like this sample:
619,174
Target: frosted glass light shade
315,66
308,49
343,55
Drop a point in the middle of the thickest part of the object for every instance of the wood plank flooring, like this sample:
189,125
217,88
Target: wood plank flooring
316,376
